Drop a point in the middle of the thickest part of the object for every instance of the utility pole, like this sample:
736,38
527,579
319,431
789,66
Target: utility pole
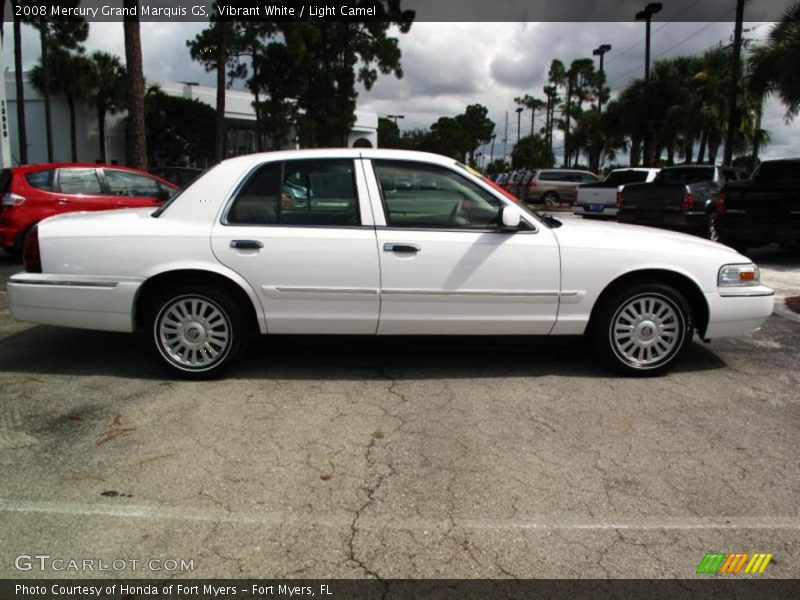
519,118
647,16
491,152
733,121
505,139
600,51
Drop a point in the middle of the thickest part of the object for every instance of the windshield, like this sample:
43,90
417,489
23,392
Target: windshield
688,175
625,177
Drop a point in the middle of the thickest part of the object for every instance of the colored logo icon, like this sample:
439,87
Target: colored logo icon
723,563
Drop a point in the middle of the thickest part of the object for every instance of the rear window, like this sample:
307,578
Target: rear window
625,177
684,176
553,176
42,180
778,172
5,181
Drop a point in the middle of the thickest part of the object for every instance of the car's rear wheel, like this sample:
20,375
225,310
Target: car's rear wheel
642,330
710,229
550,198
197,331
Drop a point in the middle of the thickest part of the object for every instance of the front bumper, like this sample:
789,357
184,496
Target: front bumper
735,311
85,302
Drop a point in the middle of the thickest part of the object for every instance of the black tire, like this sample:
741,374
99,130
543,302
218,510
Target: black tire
710,230
196,331
660,329
550,199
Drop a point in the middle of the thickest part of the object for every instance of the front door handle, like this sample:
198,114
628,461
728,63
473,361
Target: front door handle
401,248
63,201
246,244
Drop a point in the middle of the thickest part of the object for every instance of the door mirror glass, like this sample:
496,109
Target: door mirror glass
510,217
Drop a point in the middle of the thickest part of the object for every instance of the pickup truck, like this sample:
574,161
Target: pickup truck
683,198
599,200
764,208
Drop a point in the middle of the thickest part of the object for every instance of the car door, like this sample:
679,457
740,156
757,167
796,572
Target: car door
129,189
297,231
446,265
78,188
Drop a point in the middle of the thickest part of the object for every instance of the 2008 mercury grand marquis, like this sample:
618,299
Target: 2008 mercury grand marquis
376,242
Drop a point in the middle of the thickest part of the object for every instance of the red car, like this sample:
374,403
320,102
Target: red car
34,192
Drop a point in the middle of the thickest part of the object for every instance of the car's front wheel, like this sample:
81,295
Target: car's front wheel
197,331
642,330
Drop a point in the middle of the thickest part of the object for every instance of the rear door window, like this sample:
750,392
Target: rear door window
625,177
299,192
42,180
79,181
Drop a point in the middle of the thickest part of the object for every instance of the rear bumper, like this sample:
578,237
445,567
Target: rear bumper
608,211
759,231
84,302
734,312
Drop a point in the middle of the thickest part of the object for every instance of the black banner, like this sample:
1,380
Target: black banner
378,10
340,589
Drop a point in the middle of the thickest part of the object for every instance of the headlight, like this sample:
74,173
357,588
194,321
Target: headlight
738,275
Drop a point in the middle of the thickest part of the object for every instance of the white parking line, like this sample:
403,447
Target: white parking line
345,518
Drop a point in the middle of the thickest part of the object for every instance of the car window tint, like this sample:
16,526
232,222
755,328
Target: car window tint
624,177
552,176
299,192
418,195
588,178
79,181
125,183
684,176
42,180
778,172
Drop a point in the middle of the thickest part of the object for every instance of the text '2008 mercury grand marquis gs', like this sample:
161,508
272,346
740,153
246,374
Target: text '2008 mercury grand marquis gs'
376,242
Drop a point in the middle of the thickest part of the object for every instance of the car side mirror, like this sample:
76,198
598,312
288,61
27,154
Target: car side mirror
510,217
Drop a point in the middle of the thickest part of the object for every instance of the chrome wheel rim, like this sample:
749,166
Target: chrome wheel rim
647,331
193,333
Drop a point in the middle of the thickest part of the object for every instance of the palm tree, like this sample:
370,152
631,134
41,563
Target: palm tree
136,150
109,92
69,74
774,66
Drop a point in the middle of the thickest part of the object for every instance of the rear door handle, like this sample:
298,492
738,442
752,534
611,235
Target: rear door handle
63,201
246,244
401,248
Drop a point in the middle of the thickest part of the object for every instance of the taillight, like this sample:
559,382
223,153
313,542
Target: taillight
620,203
721,203
531,185
12,199
31,257
688,201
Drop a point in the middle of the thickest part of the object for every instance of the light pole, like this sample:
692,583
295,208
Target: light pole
600,51
519,118
395,117
491,151
646,15
732,110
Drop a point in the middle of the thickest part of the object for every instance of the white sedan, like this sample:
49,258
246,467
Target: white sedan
376,242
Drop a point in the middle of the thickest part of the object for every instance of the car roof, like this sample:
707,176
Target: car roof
367,153
83,165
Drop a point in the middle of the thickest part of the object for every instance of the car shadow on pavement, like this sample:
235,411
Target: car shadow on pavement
62,351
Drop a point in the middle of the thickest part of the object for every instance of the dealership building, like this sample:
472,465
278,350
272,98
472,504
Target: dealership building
239,116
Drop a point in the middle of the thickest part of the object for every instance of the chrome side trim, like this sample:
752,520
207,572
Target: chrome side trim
61,283
746,294
320,290
507,293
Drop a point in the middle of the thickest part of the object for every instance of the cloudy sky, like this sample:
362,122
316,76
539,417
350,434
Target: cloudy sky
450,65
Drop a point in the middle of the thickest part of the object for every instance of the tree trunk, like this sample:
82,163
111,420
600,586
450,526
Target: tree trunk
22,131
136,143
688,152
219,119
636,147
48,122
101,129
671,154
701,153
756,131
259,136
567,148
73,129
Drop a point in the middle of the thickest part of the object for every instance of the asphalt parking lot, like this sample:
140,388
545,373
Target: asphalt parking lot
329,458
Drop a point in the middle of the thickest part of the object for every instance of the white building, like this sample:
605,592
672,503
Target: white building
239,114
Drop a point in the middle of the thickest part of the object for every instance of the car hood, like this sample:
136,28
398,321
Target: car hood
582,233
